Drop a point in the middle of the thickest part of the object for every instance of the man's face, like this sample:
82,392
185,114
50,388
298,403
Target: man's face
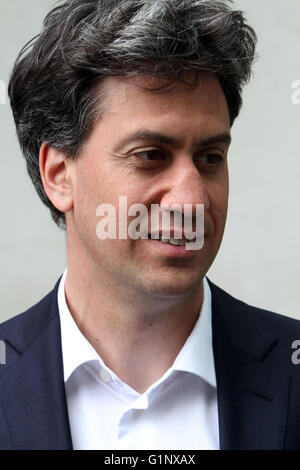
154,148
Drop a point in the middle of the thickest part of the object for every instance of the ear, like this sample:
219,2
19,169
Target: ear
56,177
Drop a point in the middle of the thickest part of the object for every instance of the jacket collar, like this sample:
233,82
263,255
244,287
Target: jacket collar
252,394
32,391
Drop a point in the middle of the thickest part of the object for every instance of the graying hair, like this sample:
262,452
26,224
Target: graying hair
54,85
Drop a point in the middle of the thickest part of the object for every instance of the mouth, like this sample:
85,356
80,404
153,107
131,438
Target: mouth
172,244
174,241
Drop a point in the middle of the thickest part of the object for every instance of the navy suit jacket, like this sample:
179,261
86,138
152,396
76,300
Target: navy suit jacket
258,386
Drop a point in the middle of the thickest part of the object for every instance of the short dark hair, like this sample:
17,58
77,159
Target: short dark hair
54,85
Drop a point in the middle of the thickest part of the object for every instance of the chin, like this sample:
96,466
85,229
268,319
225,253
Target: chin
173,288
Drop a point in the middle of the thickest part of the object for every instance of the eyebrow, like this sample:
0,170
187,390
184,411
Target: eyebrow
147,135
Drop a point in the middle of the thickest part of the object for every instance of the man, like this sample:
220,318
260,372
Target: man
135,348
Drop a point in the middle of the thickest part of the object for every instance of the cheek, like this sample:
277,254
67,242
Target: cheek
85,202
221,205
218,199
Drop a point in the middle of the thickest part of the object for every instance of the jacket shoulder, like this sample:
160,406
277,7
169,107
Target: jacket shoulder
278,323
23,328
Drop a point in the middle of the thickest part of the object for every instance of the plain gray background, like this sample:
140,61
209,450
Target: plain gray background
259,259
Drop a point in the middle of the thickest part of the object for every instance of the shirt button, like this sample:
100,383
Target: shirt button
104,375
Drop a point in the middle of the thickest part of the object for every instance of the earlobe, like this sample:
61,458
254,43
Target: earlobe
56,177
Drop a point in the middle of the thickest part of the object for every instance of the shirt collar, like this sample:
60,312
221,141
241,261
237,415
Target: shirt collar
196,356
76,350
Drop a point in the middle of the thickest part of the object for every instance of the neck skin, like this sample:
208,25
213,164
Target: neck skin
137,335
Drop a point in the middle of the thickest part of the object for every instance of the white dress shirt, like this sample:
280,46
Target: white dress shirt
177,412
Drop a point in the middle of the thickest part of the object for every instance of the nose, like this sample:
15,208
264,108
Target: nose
184,185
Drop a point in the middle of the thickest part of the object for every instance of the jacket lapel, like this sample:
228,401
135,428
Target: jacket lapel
252,393
32,391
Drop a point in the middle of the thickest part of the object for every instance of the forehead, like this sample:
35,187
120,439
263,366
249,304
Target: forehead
146,97
187,114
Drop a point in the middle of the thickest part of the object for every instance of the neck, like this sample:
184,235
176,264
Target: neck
138,335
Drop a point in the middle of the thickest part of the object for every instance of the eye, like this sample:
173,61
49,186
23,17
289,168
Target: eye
150,156
210,159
